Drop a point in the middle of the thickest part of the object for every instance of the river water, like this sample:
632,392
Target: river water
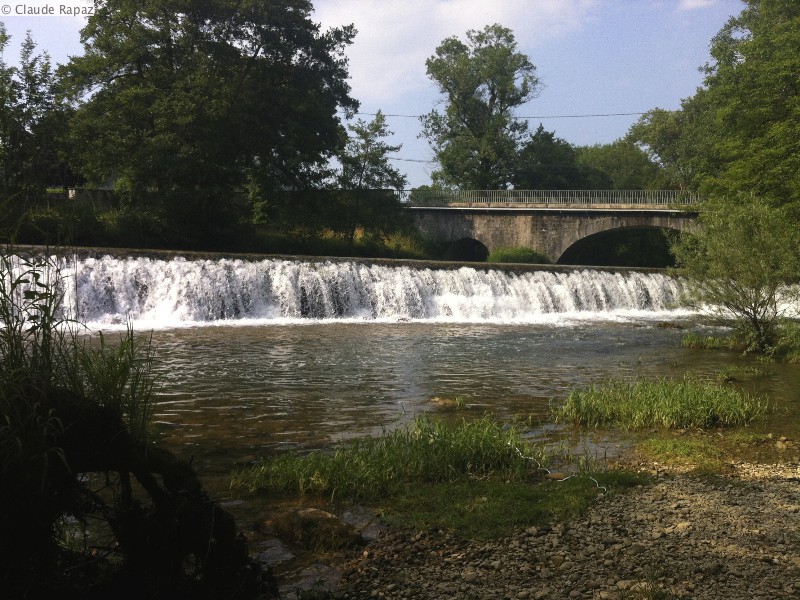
266,354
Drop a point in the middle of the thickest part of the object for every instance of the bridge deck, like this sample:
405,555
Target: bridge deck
608,199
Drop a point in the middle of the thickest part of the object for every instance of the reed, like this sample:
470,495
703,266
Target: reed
426,451
680,404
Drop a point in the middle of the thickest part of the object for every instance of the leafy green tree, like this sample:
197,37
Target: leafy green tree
754,88
546,162
476,139
745,263
32,122
189,102
622,164
739,132
366,180
365,159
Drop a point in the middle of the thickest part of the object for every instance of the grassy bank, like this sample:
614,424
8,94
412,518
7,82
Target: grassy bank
480,479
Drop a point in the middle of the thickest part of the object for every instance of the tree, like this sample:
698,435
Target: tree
32,121
187,103
739,132
365,159
365,180
476,139
546,162
622,164
744,262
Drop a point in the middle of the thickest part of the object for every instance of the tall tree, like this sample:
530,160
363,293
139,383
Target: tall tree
32,121
365,181
186,102
739,132
547,162
476,139
623,165
365,159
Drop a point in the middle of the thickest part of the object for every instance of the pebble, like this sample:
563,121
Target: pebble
735,537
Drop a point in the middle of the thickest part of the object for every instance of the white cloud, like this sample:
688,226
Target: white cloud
395,37
696,4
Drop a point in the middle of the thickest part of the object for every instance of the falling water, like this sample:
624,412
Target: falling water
159,293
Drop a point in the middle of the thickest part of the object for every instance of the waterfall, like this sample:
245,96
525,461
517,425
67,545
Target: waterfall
157,293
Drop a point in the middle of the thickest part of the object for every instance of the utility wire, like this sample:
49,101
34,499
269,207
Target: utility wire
584,116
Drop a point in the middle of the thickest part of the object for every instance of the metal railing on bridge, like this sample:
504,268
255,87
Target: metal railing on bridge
548,198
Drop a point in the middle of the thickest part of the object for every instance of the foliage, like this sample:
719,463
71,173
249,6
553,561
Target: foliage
620,165
476,138
68,410
426,452
678,404
738,133
192,102
32,122
365,158
744,262
517,255
546,162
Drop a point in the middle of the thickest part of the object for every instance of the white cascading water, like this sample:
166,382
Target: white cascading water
156,293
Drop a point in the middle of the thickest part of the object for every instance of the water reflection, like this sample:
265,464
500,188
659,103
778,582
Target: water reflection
232,394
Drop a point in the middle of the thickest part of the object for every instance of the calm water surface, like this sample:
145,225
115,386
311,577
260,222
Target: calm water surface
231,394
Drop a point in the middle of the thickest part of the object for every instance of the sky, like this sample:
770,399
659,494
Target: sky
594,57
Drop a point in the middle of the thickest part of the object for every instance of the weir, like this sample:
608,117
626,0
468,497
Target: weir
175,292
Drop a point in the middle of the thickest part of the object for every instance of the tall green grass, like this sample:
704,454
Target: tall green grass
426,451
682,404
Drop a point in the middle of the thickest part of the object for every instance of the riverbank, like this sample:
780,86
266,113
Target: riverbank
734,536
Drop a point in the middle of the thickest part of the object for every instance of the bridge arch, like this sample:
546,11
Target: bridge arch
466,249
627,246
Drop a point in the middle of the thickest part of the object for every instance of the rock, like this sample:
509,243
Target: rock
314,529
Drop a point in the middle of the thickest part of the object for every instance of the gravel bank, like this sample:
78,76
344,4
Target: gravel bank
733,537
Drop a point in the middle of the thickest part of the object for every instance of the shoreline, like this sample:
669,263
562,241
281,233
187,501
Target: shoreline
733,536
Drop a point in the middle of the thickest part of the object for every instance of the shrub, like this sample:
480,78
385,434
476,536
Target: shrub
518,255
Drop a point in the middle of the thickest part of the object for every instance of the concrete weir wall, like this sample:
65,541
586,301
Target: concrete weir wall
551,231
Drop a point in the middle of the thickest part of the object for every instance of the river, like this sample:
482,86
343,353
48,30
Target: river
260,355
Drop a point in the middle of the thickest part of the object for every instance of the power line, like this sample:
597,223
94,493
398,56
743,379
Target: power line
583,116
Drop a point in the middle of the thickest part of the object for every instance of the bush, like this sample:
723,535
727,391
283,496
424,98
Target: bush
518,255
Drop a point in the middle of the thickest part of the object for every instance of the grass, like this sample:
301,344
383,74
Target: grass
703,452
677,404
696,341
491,509
427,451
478,479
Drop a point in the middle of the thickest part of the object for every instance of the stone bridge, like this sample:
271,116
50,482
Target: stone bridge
547,221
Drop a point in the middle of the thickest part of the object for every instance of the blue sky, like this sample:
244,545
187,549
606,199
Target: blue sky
593,56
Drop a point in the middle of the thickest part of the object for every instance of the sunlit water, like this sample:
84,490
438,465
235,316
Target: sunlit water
233,394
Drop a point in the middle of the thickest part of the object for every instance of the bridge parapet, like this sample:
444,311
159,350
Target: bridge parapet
612,199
